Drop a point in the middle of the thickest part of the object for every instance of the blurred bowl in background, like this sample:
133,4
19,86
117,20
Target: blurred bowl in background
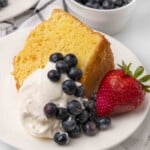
110,21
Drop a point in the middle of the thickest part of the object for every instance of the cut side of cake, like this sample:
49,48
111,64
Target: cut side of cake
66,34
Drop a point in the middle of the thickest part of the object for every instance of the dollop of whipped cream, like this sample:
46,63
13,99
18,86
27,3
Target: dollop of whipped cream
36,91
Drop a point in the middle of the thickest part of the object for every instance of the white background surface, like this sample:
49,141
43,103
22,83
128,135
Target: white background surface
136,36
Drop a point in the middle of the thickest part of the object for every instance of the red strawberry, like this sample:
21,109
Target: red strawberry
120,91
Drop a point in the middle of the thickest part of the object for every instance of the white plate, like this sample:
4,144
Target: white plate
15,8
11,130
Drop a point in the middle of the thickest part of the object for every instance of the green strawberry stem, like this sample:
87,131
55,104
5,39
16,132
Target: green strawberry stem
138,72
126,68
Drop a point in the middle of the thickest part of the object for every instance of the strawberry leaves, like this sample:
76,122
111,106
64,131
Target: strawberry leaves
145,78
147,88
126,68
138,72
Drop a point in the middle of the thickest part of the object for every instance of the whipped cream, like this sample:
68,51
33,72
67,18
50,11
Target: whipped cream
36,91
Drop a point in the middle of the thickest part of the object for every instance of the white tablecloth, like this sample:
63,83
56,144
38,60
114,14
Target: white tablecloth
136,36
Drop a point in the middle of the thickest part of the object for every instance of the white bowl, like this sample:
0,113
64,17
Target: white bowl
110,21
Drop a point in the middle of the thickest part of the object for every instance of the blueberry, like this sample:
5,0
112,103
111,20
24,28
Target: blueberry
69,87
99,1
74,107
83,117
118,2
75,73
79,91
83,1
53,75
69,124
62,66
76,132
89,105
96,5
3,3
62,114
108,4
92,1
102,123
89,4
61,138
50,110
71,60
90,128
126,1
56,57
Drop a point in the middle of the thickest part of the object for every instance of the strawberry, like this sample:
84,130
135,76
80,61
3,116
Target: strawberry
121,91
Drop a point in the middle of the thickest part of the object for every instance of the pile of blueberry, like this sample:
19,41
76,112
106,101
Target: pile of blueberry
3,3
78,116
104,4
67,65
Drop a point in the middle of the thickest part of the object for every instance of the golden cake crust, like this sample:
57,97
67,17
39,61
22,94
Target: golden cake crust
94,65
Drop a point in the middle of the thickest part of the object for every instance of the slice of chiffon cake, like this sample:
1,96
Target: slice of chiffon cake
66,34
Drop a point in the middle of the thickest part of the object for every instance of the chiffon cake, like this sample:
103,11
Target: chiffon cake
66,34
